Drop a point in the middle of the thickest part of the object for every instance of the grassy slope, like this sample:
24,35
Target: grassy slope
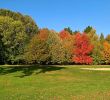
53,83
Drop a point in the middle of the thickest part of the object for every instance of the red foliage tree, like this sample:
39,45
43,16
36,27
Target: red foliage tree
82,49
64,34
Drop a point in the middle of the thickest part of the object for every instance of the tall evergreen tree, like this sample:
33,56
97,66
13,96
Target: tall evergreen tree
69,30
88,29
102,37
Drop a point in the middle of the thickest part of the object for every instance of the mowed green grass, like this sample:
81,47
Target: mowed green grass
54,83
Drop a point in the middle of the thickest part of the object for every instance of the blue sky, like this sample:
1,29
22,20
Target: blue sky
57,14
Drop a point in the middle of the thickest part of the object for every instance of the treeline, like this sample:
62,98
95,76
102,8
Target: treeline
22,42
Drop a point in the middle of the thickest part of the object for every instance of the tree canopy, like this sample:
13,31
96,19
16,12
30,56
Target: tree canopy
22,42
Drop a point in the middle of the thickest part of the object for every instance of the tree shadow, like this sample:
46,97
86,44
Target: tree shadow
29,70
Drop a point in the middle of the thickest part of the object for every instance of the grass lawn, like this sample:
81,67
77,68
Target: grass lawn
54,83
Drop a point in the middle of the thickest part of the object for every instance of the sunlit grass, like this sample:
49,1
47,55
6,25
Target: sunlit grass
54,83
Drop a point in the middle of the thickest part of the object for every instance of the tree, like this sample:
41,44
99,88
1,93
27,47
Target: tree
2,53
96,52
76,31
30,26
57,54
13,38
49,47
67,41
55,48
82,49
88,29
102,38
108,38
106,52
37,51
64,34
69,30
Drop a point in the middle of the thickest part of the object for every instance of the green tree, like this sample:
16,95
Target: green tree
98,47
13,38
56,48
102,39
96,53
30,26
88,29
76,31
69,30
2,53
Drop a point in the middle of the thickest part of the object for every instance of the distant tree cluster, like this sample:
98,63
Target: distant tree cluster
22,42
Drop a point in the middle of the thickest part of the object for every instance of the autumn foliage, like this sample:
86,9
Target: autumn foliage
82,49
43,34
106,52
67,41
22,42
64,34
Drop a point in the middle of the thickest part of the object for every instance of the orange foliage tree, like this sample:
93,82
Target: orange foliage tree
37,50
67,41
106,52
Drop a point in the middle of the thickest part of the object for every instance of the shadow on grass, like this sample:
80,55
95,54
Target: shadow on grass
28,70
